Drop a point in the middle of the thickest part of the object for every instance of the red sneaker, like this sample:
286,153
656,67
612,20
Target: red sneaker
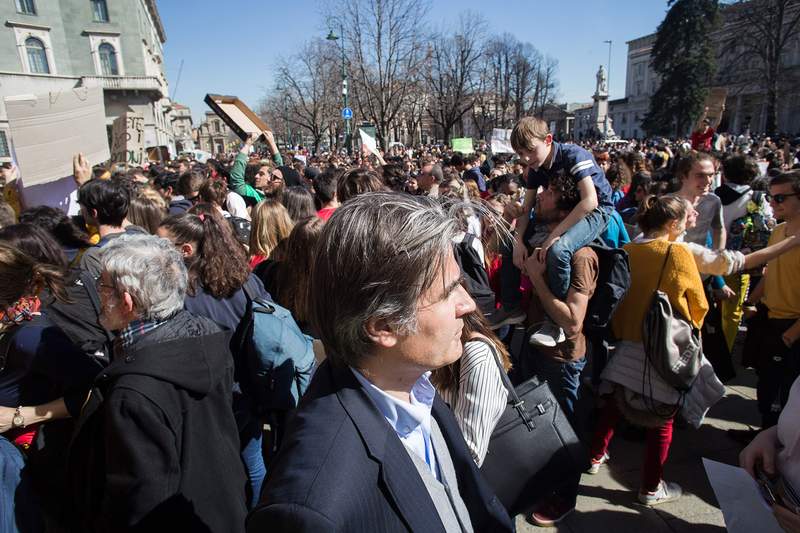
551,511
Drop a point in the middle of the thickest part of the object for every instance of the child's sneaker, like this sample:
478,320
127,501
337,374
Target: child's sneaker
506,317
666,492
594,468
548,335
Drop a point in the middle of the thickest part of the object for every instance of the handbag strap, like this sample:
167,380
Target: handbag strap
663,266
516,402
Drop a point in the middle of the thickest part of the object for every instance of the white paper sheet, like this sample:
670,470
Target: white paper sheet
739,498
369,142
501,141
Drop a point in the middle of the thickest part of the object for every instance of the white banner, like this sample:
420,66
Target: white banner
501,141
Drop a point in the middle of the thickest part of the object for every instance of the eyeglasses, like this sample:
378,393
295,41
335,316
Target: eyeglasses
101,285
779,198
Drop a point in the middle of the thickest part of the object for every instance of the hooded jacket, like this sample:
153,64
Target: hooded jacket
156,445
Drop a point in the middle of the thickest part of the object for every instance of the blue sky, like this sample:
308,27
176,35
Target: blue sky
232,47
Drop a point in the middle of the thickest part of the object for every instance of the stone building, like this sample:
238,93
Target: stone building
213,135
57,45
181,118
745,107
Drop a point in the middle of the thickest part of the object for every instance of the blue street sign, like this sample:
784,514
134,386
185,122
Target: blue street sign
347,113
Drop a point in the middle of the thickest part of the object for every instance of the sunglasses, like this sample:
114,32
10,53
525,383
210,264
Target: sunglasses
779,198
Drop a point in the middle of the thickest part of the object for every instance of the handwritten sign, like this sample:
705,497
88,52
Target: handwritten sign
48,129
127,139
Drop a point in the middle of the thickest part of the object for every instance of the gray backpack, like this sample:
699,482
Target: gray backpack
672,345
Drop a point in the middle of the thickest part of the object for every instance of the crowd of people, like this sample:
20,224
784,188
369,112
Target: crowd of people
133,326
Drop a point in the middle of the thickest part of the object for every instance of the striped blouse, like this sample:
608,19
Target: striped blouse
479,399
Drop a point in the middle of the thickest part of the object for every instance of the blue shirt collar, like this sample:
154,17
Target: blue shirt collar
403,417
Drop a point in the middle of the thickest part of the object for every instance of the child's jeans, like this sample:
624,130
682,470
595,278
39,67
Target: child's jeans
559,257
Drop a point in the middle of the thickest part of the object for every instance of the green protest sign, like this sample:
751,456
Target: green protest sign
463,145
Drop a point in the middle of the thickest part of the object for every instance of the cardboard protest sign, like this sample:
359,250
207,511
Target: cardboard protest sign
48,129
127,139
236,114
501,141
715,100
463,145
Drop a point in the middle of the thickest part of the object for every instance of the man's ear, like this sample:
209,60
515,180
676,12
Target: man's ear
93,213
127,303
379,332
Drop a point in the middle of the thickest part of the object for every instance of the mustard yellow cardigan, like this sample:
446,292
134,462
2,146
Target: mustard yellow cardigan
681,282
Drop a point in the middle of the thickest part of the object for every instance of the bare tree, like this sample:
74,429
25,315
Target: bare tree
761,33
546,85
381,39
309,82
450,76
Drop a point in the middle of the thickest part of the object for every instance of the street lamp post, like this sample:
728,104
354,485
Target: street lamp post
333,37
288,135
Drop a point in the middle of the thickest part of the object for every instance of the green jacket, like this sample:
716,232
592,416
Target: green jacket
237,183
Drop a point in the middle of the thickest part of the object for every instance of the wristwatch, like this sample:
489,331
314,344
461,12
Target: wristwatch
18,421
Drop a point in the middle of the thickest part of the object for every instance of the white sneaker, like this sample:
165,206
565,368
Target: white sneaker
666,492
594,468
548,334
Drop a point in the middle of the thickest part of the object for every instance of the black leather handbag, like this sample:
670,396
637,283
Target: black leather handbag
533,449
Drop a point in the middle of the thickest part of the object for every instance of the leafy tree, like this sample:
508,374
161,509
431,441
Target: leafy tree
683,57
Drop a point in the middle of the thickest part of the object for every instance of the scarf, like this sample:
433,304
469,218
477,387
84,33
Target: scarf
21,311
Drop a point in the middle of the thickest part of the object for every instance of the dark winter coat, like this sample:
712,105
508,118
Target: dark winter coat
156,445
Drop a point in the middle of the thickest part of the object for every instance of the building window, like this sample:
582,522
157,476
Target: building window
37,56
4,151
99,11
26,7
216,126
108,60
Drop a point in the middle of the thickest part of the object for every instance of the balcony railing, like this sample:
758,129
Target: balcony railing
127,83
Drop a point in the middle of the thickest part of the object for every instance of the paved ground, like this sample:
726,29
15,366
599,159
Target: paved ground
607,501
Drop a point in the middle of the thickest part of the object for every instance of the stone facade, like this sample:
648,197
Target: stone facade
62,44
181,118
213,135
745,107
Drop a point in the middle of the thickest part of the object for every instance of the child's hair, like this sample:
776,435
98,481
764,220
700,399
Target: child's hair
526,130
655,212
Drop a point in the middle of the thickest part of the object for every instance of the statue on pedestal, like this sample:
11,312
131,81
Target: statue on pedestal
602,81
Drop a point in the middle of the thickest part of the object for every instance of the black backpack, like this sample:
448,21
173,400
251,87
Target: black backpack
79,319
476,279
613,282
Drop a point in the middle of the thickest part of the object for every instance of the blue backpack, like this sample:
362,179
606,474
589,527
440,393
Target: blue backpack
278,358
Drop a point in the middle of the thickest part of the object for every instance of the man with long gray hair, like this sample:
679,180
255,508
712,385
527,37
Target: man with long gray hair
157,445
372,446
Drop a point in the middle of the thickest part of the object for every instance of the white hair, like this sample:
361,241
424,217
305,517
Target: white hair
151,270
